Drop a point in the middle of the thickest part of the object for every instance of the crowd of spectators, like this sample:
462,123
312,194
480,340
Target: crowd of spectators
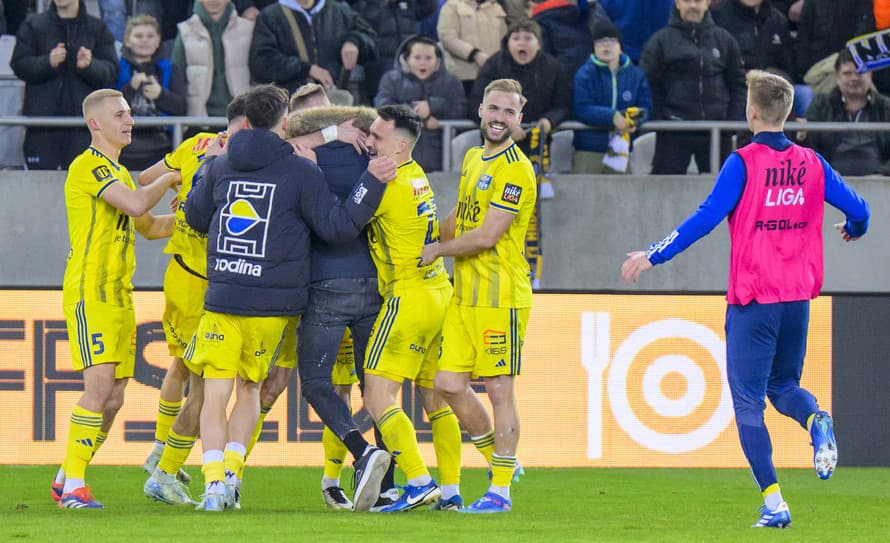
611,64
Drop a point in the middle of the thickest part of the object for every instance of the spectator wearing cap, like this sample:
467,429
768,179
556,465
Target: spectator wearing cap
695,73
545,82
420,80
605,87
565,32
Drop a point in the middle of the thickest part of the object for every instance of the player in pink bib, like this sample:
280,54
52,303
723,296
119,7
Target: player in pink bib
773,192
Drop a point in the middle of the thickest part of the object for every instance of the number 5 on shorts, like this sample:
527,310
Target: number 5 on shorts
98,344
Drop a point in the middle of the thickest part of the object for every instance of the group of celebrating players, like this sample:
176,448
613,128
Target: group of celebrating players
304,236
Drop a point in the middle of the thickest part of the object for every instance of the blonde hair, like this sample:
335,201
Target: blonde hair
506,85
772,94
95,98
143,19
303,94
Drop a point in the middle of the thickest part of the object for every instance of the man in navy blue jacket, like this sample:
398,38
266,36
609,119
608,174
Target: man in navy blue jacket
258,203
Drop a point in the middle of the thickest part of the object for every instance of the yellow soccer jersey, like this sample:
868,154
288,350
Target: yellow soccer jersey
102,254
497,277
186,242
405,221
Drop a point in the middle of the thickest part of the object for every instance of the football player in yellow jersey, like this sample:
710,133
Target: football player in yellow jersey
184,284
103,208
404,343
485,327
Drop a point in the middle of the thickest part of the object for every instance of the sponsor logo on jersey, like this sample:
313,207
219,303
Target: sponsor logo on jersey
359,194
512,193
495,342
102,173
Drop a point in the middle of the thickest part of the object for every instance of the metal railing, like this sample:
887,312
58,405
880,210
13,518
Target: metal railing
449,127
714,128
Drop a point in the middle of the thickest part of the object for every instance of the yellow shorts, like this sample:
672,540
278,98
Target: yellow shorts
405,338
101,333
287,355
228,345
184,303
344,367
483,341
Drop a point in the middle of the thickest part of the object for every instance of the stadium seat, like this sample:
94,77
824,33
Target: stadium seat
462,143
641,156
561,152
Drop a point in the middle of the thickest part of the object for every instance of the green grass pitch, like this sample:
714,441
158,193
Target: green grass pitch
638,505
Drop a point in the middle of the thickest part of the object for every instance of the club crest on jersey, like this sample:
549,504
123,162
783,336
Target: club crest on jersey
484,182
102,173
512,193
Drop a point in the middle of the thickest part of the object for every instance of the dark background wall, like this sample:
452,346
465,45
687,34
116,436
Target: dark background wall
860,380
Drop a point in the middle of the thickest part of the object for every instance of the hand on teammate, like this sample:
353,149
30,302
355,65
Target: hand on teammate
347,133
218,145
429,253
383,168
305,152
637,262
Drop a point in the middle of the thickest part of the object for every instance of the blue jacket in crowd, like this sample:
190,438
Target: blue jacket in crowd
599,93
637,20
257,202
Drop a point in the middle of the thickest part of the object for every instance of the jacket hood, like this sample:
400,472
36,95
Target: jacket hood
300,123
400,63
676,22
252,149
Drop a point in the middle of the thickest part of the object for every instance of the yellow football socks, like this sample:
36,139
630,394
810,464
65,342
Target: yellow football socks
485,445
502,470
167,412
401,439
334,454
100,439
176,452
82,433
446,442
264,410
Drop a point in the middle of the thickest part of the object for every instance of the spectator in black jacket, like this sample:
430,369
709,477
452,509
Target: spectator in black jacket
420,80
394,21
854,100
545,82
250,9
761,32
824,28
565,31
332,40
695,73
62,55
